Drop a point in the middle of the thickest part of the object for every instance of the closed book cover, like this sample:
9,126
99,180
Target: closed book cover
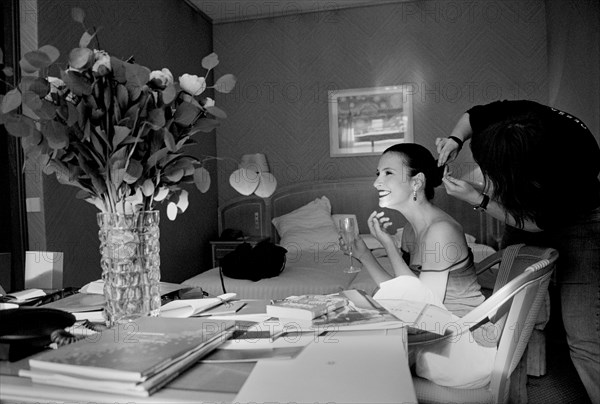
140,389
305,307
134,351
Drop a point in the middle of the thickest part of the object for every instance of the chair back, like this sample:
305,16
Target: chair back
523,275
522,282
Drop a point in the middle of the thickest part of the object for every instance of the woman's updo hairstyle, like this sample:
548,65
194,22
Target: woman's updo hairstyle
420,160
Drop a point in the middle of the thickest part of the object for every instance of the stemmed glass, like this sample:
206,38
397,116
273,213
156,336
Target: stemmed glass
348,232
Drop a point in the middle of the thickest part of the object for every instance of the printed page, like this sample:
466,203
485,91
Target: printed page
419,315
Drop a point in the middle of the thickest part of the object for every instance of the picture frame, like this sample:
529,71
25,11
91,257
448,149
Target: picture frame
366,121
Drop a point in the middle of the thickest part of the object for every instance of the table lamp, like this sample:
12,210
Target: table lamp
253,176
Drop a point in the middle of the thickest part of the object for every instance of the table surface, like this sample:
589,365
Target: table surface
381,370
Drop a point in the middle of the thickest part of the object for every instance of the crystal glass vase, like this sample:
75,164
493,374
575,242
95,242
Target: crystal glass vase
130,261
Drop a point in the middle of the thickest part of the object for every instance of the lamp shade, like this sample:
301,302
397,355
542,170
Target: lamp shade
253,176
255,162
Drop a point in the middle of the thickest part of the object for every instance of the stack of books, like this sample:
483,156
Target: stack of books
136,358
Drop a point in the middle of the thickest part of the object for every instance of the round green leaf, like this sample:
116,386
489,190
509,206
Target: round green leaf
204,125
169,94
134,172
121,133
183,201
118,68
186,114
174,174
11,101
73,114
162,193
19,126
172,211
210,61
156,117
217,112
148,187
122,96
225,83
50,51
77,83
78,15
81,58
27,67
32,100
38,85
46,110
85,39
38,60
56,134
136,75
202,179
169,140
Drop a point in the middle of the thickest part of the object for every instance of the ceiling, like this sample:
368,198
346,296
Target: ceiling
222,11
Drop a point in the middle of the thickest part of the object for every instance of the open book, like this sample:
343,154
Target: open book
194,307
420,315
305,307
360,313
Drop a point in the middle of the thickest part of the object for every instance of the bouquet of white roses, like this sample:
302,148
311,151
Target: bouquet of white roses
113,128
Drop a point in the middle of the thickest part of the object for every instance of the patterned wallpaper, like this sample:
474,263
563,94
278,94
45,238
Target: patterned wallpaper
453,54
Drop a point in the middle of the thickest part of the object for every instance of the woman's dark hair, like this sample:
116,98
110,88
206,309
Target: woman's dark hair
420,160
508,153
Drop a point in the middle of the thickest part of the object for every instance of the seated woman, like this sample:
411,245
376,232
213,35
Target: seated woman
434,263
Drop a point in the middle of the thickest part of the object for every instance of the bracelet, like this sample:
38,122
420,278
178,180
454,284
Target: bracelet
484,203
457,140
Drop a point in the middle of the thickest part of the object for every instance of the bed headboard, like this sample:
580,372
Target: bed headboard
253,215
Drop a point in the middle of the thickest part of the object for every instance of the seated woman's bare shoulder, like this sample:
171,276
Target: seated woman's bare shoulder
445,242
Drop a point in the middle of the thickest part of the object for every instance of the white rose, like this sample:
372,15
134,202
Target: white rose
101,63
192,84
162,78
209,102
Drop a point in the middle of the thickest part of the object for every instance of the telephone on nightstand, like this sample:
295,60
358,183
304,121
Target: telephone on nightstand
27,330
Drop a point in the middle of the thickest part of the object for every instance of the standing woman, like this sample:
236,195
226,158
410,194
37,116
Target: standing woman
541,168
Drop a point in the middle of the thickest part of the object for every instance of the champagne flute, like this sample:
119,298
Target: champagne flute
348,232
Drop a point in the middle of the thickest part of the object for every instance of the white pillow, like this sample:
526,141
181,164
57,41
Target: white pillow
308,227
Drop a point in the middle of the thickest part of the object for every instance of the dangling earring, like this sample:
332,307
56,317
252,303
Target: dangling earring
415,195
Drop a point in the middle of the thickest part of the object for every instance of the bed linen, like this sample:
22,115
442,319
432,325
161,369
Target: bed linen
309,271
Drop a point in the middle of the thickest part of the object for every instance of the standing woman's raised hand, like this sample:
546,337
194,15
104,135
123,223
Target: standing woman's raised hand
460,189
448,149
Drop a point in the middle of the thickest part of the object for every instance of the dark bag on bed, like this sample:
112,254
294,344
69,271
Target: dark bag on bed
265,260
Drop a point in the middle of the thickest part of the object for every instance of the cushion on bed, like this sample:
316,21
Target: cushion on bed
308,227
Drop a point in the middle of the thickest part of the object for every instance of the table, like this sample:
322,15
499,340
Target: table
371,363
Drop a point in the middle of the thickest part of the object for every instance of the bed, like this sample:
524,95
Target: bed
302,217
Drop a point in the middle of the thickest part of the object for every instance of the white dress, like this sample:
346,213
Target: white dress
459,362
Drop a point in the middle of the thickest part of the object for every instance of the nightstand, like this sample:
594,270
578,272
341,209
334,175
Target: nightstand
222,248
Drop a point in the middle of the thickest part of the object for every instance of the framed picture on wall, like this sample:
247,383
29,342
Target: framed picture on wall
366,121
